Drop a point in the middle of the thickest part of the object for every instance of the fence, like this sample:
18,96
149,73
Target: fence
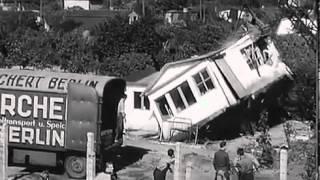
3,151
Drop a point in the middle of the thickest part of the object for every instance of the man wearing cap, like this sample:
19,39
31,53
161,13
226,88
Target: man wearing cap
221,162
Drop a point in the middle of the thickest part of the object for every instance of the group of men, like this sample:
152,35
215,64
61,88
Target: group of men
244,165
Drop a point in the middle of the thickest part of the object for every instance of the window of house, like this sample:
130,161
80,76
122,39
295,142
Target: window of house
182,96
203,81
137,100
250,63
247,54
253,56
177,99
188,93
163,106
140,102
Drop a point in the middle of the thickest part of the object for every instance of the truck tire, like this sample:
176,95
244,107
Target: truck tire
75,166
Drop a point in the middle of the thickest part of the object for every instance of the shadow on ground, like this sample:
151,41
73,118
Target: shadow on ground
124,156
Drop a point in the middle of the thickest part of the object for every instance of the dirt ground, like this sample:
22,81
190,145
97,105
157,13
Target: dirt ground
139,156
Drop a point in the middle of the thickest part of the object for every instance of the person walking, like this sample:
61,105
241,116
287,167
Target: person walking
121,115
163,166
246,165
221,162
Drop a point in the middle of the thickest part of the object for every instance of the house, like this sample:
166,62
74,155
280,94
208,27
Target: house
133,16
84,4
177,16
195,91
139,114
232,15
10,5
285,27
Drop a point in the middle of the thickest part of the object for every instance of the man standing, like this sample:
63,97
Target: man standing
163,166
120,119
245,165
221,162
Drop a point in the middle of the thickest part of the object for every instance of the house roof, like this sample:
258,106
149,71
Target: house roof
138,75
212,55
147,80
192,60
181,11
133,13
142,78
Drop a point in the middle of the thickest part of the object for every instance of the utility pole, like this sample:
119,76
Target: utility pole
15,5
201,9
110,5
143,9
41,11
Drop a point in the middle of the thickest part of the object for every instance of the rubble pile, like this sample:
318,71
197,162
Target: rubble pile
297,130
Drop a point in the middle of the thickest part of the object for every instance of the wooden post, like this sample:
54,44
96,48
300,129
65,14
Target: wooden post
91,157
3,151
283,163
197,132
188,170
176,174
161,131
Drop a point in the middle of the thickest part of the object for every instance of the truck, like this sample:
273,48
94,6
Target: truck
50,113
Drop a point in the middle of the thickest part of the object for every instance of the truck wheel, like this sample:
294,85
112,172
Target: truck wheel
75,166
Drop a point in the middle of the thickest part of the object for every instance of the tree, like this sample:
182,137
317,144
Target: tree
165,5
117,37
303,17
76,54
195,39
125,64
10,21
295,52
28,47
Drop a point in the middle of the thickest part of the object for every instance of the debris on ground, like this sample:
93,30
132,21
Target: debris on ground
297,130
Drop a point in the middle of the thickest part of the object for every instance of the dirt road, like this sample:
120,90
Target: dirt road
139,156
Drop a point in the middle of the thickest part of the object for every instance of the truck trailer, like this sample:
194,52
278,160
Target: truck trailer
49,115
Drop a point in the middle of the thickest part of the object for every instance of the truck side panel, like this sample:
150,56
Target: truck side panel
82,115
36,119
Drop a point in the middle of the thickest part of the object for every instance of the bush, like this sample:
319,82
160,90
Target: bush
304,153
301,100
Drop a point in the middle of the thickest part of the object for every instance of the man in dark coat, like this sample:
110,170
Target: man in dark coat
221,162
246,165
